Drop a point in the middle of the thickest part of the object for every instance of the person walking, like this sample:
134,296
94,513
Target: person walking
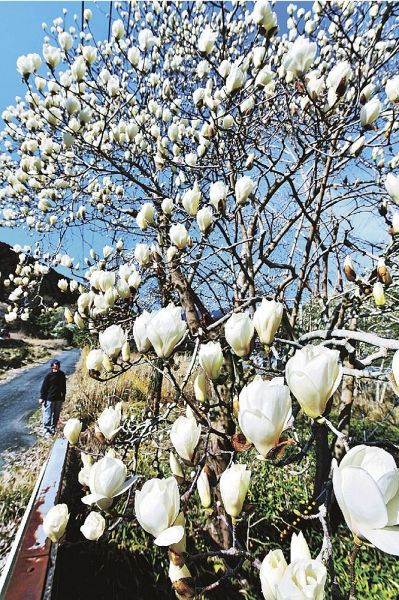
52,395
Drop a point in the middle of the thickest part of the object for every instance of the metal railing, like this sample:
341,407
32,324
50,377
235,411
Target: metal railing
28,572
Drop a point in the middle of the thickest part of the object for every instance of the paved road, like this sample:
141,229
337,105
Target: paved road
19,399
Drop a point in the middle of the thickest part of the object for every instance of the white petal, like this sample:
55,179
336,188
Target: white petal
128,483
363,498
386,539
169,536
92,498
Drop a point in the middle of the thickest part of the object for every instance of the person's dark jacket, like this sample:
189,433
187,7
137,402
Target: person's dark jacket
53,387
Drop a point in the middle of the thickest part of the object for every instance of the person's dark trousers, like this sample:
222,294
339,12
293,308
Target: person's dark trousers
51,414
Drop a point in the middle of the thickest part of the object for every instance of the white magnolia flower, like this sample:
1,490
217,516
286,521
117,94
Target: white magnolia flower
267,319
392,88
142,254
55,522
264,412
204,218
239,331
300,57
93,527
243,189
72,430
234,484
166,329
263,15
302,579
366,486
185,434
370,112
392,187
207,40
191,199
107,480
157,507
235,79
118,29
179,236
111,340
313,374
167,206
211,359
109,421
140,335
217,194
339,75
65,40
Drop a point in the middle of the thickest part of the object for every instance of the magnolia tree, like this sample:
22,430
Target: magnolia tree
242,171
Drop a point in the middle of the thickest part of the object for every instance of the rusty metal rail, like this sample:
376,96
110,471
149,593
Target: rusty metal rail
31,559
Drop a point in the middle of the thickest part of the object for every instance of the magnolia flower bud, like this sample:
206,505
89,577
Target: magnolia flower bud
185,434
204,218
78,320
395,368
211,359
271,572
107,479
200,387
157,507
204,489
383,272
175,466
313,374
72,430
218,194
239,331
93,527
68,315
234,484
167,206
392,88
118,29
179,236
55,522
370,112
165,330
126,352
267,319
349,269
367,492
191,200
235,79
395,223
109,421
111,341
107,364
392,187
264,412
379,294
142,254
243,189
94,360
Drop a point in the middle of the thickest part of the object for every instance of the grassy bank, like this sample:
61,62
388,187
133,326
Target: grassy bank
20,352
